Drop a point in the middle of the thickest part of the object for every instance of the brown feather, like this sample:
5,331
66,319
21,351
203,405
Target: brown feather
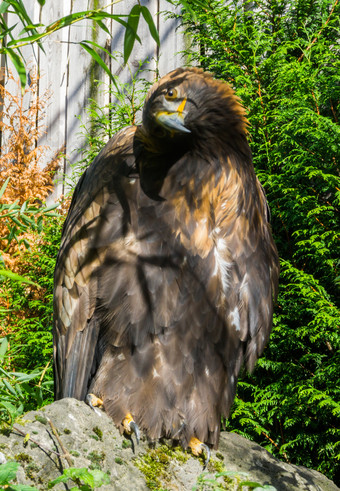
167,271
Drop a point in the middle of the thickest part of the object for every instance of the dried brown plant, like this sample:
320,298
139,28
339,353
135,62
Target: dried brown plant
21,125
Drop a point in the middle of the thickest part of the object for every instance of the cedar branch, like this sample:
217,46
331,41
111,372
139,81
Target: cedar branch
318,34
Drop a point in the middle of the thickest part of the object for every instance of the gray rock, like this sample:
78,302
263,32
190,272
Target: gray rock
94,442
245,456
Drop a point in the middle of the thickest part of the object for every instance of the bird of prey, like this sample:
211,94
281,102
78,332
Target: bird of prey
167,270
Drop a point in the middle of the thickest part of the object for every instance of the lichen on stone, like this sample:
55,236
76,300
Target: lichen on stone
98,433
155,463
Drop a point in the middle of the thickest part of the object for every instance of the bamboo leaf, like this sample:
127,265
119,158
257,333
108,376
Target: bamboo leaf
20,10
17,222
99,47
3,347
6,30
131,32
9,387
99,15
149,20
19,65
13,206
23,207
4,186
69,19
50,207
97,58
15,277
103,26
30,27
27,221
25,377
15,43
3,7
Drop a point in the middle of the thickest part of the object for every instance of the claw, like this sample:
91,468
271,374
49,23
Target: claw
197,447
135,430
207,453
94,402
130,426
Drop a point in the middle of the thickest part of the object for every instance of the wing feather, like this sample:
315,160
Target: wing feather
76,286
247,258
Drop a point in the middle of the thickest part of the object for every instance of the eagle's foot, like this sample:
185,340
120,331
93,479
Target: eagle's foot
197,448
130,426
94,402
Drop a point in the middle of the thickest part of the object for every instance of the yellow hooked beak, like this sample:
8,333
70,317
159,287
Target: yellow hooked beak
173,120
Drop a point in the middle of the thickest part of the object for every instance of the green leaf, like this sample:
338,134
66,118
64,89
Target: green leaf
27,221
42,2
3,347
16,43
13,205
103,27
23,207
21,487
15,277
231,474
51,214
252,485
8,472
9,387
203,4
4,186
30,27
131,32
190,10
5,31
77,16
18,223
99,47
12,410
100,477
26,244
19,65
50,207
93,478
3,7
20,11
97,58
24,377
149,20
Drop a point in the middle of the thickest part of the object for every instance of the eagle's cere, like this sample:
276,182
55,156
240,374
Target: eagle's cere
167,270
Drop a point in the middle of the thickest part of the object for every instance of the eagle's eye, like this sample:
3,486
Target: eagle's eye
171,94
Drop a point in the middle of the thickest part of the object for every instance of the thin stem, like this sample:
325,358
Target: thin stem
318,34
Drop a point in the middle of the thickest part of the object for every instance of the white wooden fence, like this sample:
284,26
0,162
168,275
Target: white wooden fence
65,66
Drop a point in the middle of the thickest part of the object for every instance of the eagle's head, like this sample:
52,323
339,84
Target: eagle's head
189,103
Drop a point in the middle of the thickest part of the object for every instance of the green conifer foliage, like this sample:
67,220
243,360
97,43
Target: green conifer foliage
282,57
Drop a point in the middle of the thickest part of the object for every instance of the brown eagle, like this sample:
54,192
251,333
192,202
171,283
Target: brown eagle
167,270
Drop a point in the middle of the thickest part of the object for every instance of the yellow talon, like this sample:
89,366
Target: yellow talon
130,426
197,448
126,423
94,402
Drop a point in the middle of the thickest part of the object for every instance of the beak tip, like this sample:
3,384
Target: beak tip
172,122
